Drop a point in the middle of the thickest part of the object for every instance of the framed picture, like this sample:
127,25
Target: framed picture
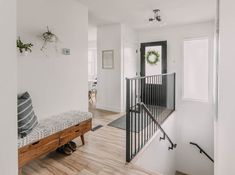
107,59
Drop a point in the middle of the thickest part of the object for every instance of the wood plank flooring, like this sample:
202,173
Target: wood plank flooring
102,154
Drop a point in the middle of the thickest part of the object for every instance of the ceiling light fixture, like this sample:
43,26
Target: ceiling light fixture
156,17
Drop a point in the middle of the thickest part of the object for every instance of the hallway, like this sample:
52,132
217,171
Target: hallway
102,154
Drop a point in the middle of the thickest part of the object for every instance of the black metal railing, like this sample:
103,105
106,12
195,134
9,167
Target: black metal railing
201,150
165,136
149,101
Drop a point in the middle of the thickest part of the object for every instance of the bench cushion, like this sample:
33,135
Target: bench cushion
53,125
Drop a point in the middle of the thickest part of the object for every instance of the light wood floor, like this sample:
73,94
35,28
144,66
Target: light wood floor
102,154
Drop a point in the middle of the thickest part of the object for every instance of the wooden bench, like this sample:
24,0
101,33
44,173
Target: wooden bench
51,134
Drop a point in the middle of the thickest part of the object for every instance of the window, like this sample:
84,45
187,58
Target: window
196,54
92,64
155,69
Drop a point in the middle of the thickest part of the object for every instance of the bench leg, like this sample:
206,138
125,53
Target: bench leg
82,138
19,171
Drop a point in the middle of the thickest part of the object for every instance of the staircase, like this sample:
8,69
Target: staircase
150,101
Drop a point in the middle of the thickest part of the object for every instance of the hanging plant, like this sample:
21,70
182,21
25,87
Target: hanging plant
23,47
49,37
152,57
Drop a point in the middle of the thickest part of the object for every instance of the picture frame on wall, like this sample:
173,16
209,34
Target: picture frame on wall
108,59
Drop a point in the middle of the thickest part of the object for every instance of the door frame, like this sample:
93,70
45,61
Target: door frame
162,97
164,55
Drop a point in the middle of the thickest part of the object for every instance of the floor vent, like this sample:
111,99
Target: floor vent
97,127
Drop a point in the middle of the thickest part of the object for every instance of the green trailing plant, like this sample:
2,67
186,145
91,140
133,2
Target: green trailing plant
152,57
23,47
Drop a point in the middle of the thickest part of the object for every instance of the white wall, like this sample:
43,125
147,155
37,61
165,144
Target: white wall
225,139
175,37
8,90
92,50
109,80
194,121
92,44
196,69
184,158
194,124
130,59
57,83
156,157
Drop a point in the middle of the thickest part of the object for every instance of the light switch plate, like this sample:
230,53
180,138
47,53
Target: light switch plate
66,51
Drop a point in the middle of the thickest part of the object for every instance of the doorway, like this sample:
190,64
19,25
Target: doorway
154,62
92,66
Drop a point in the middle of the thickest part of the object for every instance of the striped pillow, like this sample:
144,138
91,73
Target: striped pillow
27,119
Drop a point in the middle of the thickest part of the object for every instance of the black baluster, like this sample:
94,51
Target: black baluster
131,124
128,157
135,115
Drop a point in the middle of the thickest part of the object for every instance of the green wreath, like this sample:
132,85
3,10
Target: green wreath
152,57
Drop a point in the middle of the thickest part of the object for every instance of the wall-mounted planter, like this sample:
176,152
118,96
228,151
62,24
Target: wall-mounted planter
49,37
23,49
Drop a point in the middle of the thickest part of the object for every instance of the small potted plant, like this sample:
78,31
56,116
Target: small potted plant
49,37
24,49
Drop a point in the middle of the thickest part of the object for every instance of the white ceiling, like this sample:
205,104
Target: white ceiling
137,12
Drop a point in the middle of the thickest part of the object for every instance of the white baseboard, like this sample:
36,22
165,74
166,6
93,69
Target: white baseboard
108,108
